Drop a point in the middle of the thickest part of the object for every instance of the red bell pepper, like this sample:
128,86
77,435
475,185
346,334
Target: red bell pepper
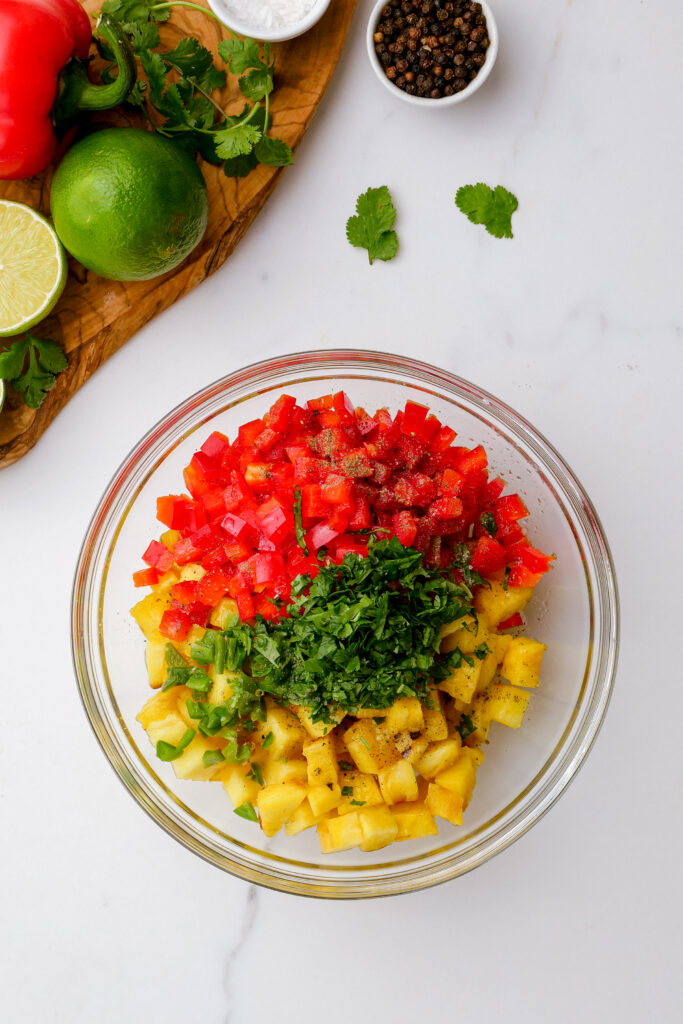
43,46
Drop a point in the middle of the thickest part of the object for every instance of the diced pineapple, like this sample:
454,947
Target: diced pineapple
370,712
170,538
522,662
226,607
444,804
370,747
398,783
462,682
497,603
168,580
405,715
505,704
168,730
221,688
473,633
499,643
323,799
276,804
378,827
148,612
289,735
438,757
480,720
190,764
415,748
193,571
459,778
302,818
159,707
284,771
322,762
240,788
193,637
364,790
436,726
337,834
488,669
155,659
414,820
317,729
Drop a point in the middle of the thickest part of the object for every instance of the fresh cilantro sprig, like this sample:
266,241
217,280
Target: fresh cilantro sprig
372,227
176,91
491,207
35,379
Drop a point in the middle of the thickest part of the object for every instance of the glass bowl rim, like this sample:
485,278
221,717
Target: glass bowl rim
559,769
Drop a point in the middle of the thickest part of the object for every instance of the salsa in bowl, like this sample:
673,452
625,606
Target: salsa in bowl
573,614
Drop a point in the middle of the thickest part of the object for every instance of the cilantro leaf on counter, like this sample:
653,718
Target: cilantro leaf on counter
491,207
372,226
45,360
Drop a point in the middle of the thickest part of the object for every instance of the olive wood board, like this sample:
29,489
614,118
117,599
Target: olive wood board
94,316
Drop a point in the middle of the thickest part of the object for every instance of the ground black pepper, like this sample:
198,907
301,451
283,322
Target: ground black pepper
431,48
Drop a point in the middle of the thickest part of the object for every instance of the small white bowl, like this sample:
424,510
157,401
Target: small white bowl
221,9
443,101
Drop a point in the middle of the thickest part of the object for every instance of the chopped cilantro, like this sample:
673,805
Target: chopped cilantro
466,727
210,757
267,740
246,810
167,752
298,522
347,791
256,774
346,766
358,803
488,521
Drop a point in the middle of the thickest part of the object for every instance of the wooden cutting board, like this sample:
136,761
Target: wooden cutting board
94,317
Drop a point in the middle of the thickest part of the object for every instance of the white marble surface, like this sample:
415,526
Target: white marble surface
576,323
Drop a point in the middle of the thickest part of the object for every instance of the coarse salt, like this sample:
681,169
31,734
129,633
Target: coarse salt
269,14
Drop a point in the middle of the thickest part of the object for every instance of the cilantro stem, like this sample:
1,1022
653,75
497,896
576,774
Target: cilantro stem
185,3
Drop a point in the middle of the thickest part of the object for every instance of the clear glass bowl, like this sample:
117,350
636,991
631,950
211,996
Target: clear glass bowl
575,613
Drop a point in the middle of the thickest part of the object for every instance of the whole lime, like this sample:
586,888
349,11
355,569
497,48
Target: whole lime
129,204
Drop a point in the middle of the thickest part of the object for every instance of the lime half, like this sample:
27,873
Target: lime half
32,268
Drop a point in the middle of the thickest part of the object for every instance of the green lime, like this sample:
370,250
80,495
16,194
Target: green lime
129,204
32,268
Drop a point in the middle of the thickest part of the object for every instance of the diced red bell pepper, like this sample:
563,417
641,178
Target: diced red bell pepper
216,445
186,592
451,482
179,512
266,440
236,492
158,556
238,551
337,490
488,556
447,507
238,528
521,553
325,402
308,469
248,432
214,503
512,623
407,452
321,534
429,430
471,461
213,586
361,516
414,489
442,440
520,576
313,505
264,607
145,578
175,624
278,416
494,489
186,551
245,605
344,545
276,525
269,567
258,476
215,559
509,508
414,416
405,527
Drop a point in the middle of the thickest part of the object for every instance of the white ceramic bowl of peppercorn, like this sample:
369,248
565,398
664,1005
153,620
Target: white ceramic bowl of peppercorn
426,67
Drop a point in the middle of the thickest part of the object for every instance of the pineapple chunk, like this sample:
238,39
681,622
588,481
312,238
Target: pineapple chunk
405,715
168,730
276,804
488,669
370,747
472,634
322,762
444,804
190,764
438,757
499,643
413,821
317,729
148,612
522,661
481,721
302,818
337,834
170,538
451,627
370,712
239,787
378,827
364,790
192,571
226,607
323,799
288,733
398,783
155,659
415,748
159,707
221,689
436,726
462,682
505,704
459,778
168,580
497,603
284,771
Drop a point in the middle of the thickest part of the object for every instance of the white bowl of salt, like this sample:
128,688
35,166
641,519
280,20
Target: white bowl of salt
269,20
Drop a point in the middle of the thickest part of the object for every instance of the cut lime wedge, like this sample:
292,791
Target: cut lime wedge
32,268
